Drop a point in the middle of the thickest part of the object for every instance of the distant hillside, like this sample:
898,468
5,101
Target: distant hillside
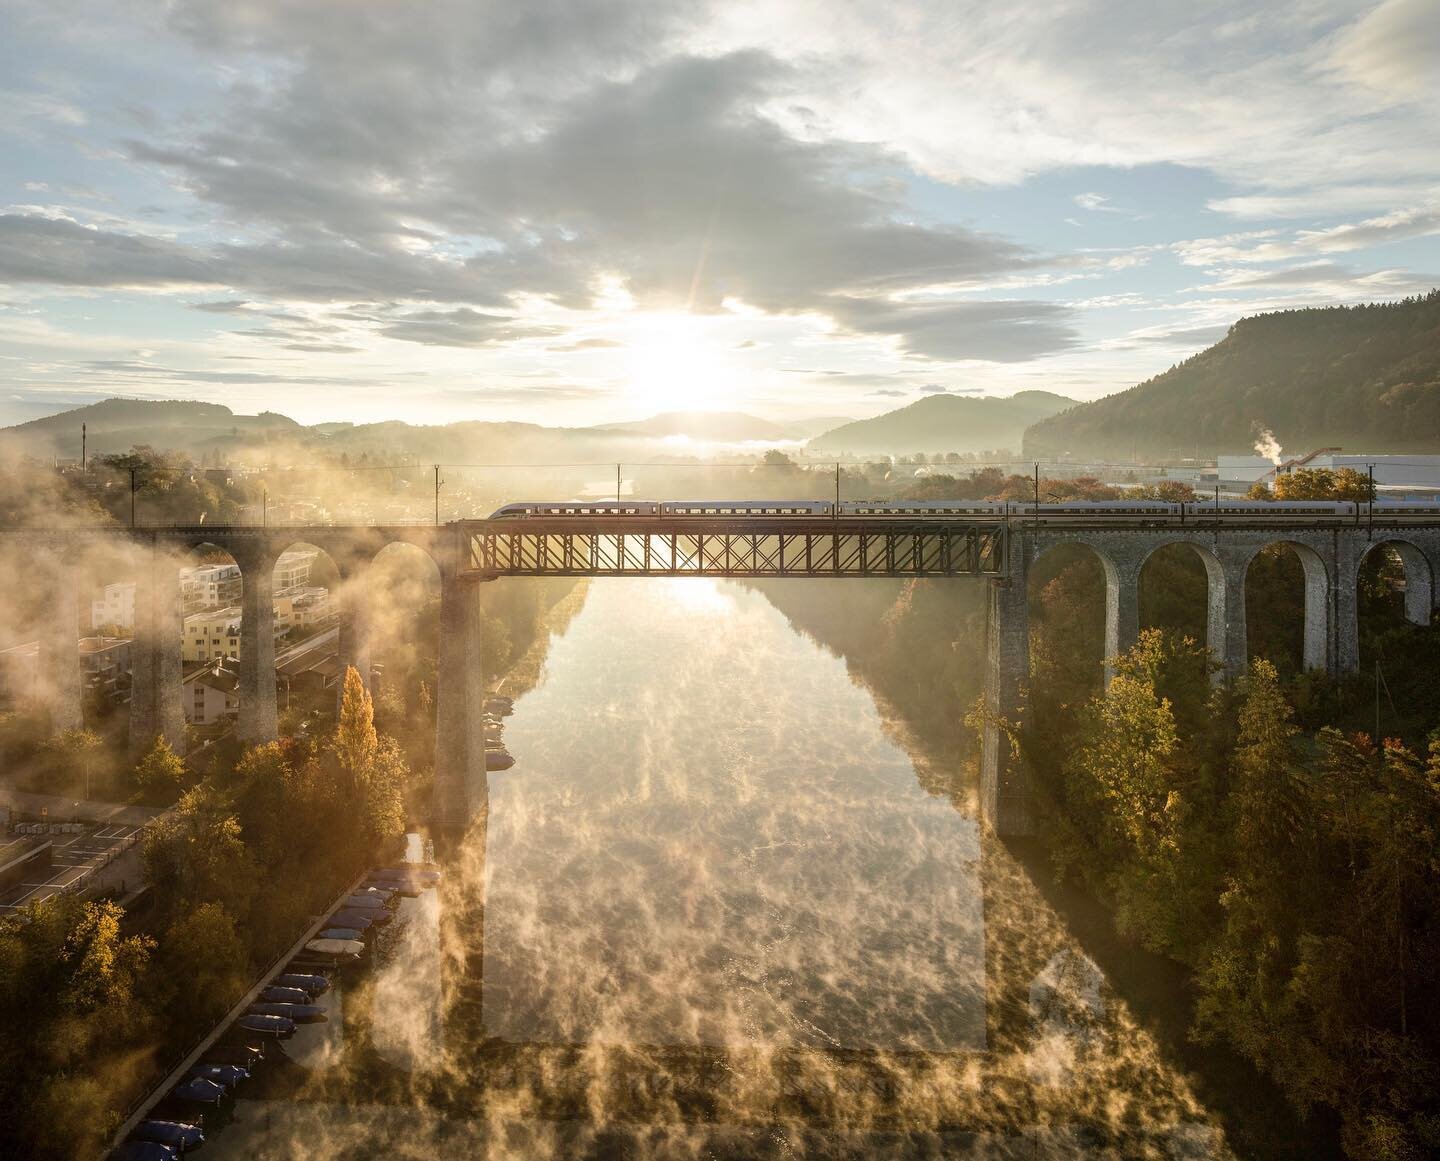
723,426
943,423
116,425
213,433
1366,378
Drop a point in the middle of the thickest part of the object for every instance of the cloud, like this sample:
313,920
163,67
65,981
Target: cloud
1327,279
40,248
590,345
1096,203
226,306
463,327
889,392
676,181
1393,48
1276,246
999,332
1188,336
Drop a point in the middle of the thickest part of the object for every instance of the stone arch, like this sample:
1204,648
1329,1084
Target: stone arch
1120,612
199,593
1315,635
307,584
406,546
1218,598
206,580
1419,580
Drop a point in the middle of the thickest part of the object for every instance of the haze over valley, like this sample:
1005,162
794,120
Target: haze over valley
663,579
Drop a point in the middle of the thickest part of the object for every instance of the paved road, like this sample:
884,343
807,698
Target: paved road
64,808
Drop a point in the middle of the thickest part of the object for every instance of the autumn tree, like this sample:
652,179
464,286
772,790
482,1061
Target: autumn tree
160,770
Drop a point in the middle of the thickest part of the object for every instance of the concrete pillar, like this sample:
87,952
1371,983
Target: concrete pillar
1328,604
1004,782
353,646
259,718
1228,640
460,781
1122,610
1419,583
59,659
1350,553
155,660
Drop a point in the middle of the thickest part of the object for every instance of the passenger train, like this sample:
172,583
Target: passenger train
1066,511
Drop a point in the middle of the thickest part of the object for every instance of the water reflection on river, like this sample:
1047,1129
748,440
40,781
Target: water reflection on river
721,917
708,839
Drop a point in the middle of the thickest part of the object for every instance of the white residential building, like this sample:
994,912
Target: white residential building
211,634
211,694
292,568
210,586
305,608
115,607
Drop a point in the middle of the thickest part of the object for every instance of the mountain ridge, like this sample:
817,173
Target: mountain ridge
944,423
1365,377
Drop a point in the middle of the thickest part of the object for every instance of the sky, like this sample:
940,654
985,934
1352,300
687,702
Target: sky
578,211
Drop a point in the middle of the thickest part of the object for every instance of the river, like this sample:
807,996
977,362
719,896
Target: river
721,916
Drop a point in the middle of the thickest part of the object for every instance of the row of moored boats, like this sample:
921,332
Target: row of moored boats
176,1124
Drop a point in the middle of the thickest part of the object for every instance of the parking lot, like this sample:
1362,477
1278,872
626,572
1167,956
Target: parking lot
73,857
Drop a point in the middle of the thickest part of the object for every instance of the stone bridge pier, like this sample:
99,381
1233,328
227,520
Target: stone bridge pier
1331,559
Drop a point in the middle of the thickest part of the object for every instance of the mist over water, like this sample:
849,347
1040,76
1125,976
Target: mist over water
714,914
708,839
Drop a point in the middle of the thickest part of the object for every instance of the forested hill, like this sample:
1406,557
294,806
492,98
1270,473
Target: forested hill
942,423
1366,378
116,425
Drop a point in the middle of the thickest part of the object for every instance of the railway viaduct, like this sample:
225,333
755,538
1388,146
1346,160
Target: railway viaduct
467,553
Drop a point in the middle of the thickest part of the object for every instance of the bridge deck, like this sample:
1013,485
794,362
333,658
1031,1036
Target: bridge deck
745,547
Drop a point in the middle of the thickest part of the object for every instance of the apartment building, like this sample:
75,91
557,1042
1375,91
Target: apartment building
211,633
115,608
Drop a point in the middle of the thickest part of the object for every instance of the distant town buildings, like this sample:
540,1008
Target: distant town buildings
115,609
211,693
210,586
210,598
106,662
293,566
211,633
304,608
1419,474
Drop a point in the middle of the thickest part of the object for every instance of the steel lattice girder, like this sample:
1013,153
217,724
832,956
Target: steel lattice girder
803,547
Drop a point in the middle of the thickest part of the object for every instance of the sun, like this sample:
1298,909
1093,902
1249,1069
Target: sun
673,364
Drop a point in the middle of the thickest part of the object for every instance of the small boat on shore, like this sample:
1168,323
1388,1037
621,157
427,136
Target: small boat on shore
227,1076
315,985
299,1013
246,1055
198,1090
498,759
354,917
176,1134
364,902
276,994
335,949
280,1027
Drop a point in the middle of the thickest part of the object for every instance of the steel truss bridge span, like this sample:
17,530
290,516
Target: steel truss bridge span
799,546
